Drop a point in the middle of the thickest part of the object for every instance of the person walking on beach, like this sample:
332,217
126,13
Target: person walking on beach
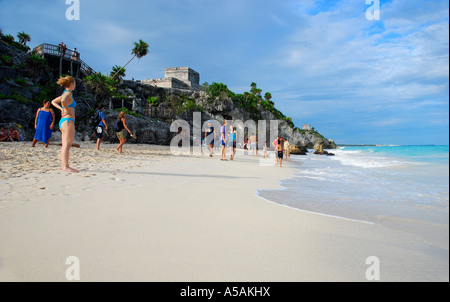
280,145
253,143
67,122
287,149
120,127
43,123
223,133
265,150
233,142
101,126
275,145
210,136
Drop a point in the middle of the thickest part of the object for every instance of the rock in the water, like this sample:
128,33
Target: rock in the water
298,150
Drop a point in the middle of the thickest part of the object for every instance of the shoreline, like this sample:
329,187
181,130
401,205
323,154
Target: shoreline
170,218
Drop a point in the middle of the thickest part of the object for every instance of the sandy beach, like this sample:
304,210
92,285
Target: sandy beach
146,215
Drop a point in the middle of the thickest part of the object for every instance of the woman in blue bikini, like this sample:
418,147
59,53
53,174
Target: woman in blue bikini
67,122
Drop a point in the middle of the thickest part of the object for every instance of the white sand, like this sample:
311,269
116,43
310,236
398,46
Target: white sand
146,215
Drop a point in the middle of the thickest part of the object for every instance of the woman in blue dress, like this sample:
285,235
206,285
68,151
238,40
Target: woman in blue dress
45,119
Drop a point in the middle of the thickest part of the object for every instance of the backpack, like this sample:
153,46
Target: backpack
95,120
116,126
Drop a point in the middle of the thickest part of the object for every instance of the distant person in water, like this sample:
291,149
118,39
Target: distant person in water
43,123
66,103
120,127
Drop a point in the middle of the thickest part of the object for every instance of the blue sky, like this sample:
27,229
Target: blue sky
356,81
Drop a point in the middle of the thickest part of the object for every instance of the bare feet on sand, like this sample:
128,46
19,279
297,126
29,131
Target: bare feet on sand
69,169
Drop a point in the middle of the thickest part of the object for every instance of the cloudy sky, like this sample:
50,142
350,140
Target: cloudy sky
355,80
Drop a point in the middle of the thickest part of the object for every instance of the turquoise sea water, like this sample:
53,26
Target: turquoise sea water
401,187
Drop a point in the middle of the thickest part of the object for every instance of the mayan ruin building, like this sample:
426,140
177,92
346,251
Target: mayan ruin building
177,77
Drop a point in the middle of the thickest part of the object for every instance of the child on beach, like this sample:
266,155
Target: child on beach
67,122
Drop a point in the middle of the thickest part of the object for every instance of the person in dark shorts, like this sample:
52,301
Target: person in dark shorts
233,142
120,130
223,138
102,126
210,136
280,149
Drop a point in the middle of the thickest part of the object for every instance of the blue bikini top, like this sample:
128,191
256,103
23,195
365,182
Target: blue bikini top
74,104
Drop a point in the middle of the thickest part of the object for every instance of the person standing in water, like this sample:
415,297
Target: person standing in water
66,103
43,123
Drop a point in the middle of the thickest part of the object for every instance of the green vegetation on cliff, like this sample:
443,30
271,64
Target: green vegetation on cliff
251,101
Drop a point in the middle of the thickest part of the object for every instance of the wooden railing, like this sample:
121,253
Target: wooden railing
44,50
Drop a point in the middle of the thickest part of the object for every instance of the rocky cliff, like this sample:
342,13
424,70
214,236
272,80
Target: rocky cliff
25,81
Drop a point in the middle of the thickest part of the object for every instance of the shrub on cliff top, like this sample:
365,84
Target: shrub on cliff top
101,86
218,90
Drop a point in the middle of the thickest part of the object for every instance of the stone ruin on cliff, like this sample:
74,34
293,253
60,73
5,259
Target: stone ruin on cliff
177,77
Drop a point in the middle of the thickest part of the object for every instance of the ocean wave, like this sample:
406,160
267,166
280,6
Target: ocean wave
314,177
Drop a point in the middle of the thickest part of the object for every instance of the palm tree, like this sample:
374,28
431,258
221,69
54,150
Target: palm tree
100,85
118,71
255,91
23,38
140,50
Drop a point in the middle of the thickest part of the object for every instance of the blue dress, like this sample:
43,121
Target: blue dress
43,131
